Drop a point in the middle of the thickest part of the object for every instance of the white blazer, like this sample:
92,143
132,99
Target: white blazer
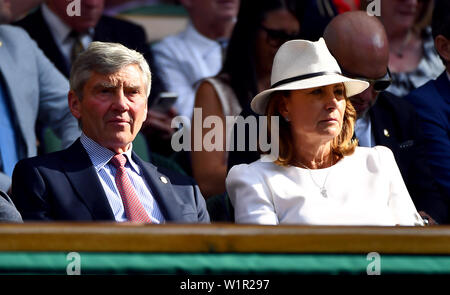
365,188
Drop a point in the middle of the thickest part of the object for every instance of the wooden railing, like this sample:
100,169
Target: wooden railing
223,238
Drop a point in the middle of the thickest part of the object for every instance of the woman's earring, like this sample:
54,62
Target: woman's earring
286,118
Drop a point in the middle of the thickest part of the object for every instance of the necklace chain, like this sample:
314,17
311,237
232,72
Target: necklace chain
323,190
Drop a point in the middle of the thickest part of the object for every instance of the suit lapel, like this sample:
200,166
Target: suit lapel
382,128
81,173
44,37
443,86
162,190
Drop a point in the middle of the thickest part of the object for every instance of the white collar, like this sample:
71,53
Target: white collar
203,44
100,156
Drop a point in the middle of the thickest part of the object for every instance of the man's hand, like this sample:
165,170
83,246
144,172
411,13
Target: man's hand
428,218
160,123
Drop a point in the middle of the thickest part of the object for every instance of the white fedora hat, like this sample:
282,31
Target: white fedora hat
301,64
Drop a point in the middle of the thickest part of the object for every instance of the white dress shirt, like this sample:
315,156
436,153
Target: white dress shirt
184,59
106,171
365,188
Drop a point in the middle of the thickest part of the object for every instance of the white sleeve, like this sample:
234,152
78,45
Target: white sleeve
172,70
250,196
400,202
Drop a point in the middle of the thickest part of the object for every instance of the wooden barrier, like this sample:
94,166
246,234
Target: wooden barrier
223,238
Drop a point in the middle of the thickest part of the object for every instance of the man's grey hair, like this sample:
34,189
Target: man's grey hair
105,58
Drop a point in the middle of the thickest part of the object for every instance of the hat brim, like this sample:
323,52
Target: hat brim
352,87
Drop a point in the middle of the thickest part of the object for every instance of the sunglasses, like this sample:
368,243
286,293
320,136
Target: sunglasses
277,37
379,84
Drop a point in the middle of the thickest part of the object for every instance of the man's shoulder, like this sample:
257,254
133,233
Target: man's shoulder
173,42
422,94
393,103
13,33
122,23
50,160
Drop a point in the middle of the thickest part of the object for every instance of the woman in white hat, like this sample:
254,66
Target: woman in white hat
320,175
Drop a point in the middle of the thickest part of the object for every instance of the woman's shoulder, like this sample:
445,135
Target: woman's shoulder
259,167
376,155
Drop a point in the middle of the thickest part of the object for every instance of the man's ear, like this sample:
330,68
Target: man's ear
74,104
442,45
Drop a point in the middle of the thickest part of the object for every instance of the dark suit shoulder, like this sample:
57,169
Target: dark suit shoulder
398,107
50,160
121,24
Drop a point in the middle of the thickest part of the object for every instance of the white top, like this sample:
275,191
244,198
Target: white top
184,59
365,188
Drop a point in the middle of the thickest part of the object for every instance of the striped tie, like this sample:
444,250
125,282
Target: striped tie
133,207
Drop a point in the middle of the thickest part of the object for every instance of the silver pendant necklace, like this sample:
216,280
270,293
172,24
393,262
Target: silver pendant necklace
322,188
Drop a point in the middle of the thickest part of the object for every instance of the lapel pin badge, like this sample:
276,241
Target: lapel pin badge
386,133
163,179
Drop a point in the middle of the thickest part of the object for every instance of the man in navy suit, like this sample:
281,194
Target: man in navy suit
99,177
432,102
359,43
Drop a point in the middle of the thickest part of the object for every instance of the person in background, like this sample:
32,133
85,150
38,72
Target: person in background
197,52
360,45
62,37
259,32
320,176
432,102
413,61
32,91
8,212
99,177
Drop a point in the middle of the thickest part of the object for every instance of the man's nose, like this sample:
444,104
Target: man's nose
120,101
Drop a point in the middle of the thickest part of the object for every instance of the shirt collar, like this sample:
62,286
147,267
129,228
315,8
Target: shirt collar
59,29
202,43
100,156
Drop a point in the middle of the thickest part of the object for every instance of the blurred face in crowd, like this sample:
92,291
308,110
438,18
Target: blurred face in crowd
215,9
400,14
369,66
278,27
90,13
315,112
113,107
5,11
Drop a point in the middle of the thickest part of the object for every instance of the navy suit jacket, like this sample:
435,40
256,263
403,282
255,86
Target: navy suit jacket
432,103
64,186
108,29
395,124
